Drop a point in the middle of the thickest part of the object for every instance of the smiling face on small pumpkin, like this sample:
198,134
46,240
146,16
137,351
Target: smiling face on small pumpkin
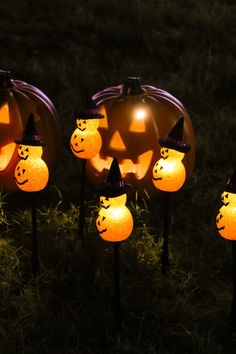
87,124
168,174
171,154
85,144
228,198
107,202
31,175
24,151
226,220
114,224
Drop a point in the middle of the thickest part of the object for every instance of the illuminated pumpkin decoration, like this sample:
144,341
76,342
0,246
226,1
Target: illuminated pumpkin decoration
17,100
31,173
169,172
135,116
226,218
86,141
115,221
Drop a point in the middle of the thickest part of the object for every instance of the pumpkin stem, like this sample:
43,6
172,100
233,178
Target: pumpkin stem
132,86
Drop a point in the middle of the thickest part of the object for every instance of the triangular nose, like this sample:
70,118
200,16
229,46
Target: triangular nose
4,114
117,143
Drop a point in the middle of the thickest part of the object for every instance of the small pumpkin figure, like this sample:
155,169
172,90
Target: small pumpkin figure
17,100
136,115
115,221
226,217
86,141
31,172
169,172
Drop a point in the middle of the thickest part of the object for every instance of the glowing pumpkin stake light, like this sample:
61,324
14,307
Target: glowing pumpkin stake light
226,226
114,224
169,175
85,143
31,175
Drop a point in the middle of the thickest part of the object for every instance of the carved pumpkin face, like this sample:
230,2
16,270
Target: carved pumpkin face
114,222
226,218
17,100
31,174
169,172
130,131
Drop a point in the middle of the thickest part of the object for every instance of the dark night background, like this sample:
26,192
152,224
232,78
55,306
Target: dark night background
62,47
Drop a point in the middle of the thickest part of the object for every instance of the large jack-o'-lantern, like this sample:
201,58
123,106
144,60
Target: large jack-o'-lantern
135,117
17,100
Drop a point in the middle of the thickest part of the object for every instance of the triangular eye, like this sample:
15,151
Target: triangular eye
4,114
117,142
27,150
103,122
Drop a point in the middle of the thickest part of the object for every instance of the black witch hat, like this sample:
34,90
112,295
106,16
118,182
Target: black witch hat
30,136
174,139
231,184
90,110
114,185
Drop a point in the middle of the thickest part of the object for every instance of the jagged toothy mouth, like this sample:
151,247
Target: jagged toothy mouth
138,166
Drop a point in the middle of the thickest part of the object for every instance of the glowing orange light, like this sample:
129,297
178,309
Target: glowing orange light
140,114
31,173
169,172
226,217
115,221
86,141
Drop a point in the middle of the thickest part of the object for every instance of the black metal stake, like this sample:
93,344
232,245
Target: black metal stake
117,307
165,248
34,258
233,306
82,199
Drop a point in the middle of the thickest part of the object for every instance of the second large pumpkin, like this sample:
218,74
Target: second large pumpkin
136,116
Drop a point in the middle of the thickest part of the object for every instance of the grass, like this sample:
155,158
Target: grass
186,48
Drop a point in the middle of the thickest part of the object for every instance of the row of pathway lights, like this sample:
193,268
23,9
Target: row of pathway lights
114,222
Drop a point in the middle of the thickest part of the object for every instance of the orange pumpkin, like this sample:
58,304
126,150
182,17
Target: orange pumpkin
136,116
17,100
